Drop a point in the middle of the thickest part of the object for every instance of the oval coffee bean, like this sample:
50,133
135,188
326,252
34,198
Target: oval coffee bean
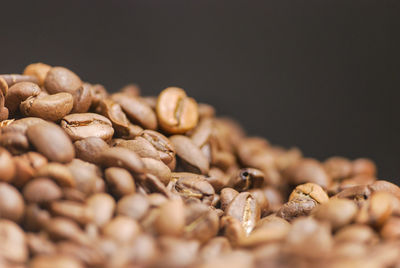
176,112
84,125
113,111
51,107
7,166
12,204
51,141
121,157
12,79
60,79
140,146
39,70
89,149
56,260
190,153
13,246
122,229
102,206
19,93
134,206
120,182
157,168
82,99
244,207
338,212
41,190
171,219
162,144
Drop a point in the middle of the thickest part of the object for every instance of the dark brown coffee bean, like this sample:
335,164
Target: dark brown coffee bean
13,79
158,169
296,208
60,149
244,207
58,173
163,145
51,107
358,193
171,219
190,154
41,190
98,93
247,178
84,125
89,149
39,70
194,186
338,212
134,206
19,93
15,142
3,110
121,157
57,260
120,182
11,203
13,246
137,110
82,99
7,166
113,111
102,206
176,112
35,218
60,79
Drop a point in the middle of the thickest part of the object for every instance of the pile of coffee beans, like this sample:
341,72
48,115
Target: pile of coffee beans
90,178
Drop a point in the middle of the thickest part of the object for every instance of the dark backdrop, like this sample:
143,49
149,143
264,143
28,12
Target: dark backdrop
320,75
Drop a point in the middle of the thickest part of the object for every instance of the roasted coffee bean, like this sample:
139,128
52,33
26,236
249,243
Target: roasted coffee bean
7,166
137,110
85,175
121,157
113,111
194,186
12,79
338,212
41,190
40,244
58,173
308,170
56,260
176,112
11,203
84,125
27,165
39,70
215,247
227,195
162,144
309,190
98,92
4,113
51,107
13,246
140,146
60,149
122,229
60,79
120,182
171,218
356,233
385,186
262,200
134,206
391,229
3,86
190,154
247,178
245,208
338,167
158,169
363,166
89,149
102,206
19,93
73,210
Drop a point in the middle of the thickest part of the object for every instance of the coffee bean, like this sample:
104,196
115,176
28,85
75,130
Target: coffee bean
72,210
90,148
102,206
85,175
60,79
308,170
171,219
137,110
140,146
176,112
113,111
40,244
3,86
247,178
58,173
338,167
60,149
162,144
19,93
134,206
121,157
84,125
122,229
194,186
157,168
12,79
12,242
51,107
39,70
190,154
391,229
57,260
338,212
363,166
309,190
7,166
27,165
41,190
119,181
214,248
11,203
356,233
227,195
82,99
98,92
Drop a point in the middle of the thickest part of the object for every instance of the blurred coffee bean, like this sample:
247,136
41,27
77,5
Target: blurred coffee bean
12,204
247,178
102,206
363,166
90,148
121,157
191,185
171,219
338,167
13,245
7,166
134,206
308,170
41,190
56,260
245,208
39,70
120,182
338,212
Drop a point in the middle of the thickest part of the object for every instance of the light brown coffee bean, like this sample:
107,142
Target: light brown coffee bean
7,166
134,206
57,260
26,167
120,182
121,157
58,173
40,244
162,144
262,200
98,92
385,186
72,210
245,208
84,125
113,111
60,149
3,86
177,252
12,204
90,148
39,70
176,112
338,168
246,179
190,154
13,246
356,233
122,229
308,170
233,230
140,146
363,166
171,219
309,190
227,195
137,110
12,79
102,206
338,212
60,79
85,175
194,186
41,190
214,248
51,107
19,93
391,229
82,99
158,169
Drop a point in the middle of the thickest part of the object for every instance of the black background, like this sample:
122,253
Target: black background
320,75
